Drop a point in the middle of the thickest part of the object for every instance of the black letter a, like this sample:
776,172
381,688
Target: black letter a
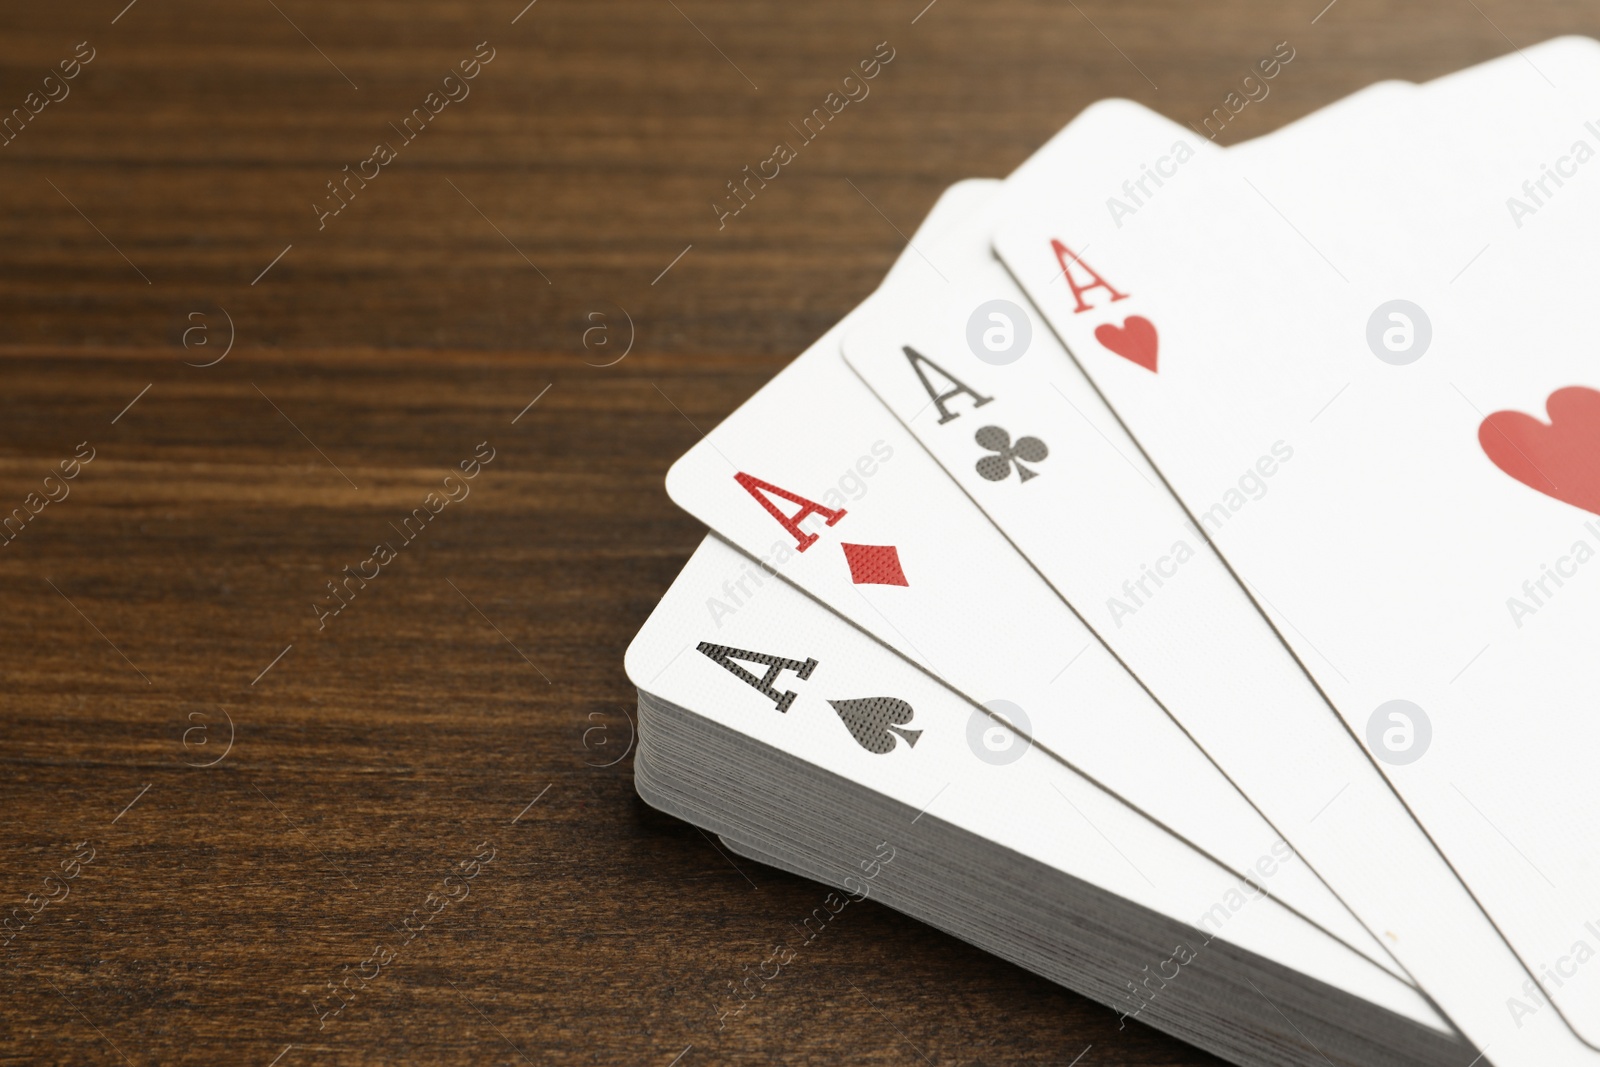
724,655
945,414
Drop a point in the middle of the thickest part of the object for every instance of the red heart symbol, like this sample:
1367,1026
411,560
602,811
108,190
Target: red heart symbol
1134,340
1560,458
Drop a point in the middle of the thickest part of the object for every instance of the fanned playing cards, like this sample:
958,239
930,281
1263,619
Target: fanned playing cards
1177,579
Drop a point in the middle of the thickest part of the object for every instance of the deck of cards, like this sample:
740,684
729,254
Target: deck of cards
1178,579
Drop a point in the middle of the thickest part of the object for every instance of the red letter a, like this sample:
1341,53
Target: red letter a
1068,260
755,487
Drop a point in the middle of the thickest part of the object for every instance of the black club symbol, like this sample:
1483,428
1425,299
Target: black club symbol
997,468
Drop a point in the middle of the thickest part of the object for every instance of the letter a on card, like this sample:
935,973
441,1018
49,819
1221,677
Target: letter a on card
759,489
775,665
1070,262
956,385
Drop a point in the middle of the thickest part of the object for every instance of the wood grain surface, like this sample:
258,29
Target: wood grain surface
215,807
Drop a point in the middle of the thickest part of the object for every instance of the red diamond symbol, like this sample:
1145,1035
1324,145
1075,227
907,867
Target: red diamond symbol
874,565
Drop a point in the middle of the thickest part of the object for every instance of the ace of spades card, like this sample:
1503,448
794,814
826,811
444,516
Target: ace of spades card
969,817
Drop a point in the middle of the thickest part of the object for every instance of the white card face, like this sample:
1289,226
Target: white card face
859,711
815,479
1227,317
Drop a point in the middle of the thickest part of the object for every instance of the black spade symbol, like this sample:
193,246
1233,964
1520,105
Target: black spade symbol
871,720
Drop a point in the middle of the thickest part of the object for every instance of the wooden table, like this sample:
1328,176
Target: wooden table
254,379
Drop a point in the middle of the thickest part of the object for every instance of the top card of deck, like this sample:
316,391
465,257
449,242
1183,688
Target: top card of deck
1421,350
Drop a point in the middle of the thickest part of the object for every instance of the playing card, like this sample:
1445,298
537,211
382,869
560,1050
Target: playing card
1385,535
817,482
990,394
787,673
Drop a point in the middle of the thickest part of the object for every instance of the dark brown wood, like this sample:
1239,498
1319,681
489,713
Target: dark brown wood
165,606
